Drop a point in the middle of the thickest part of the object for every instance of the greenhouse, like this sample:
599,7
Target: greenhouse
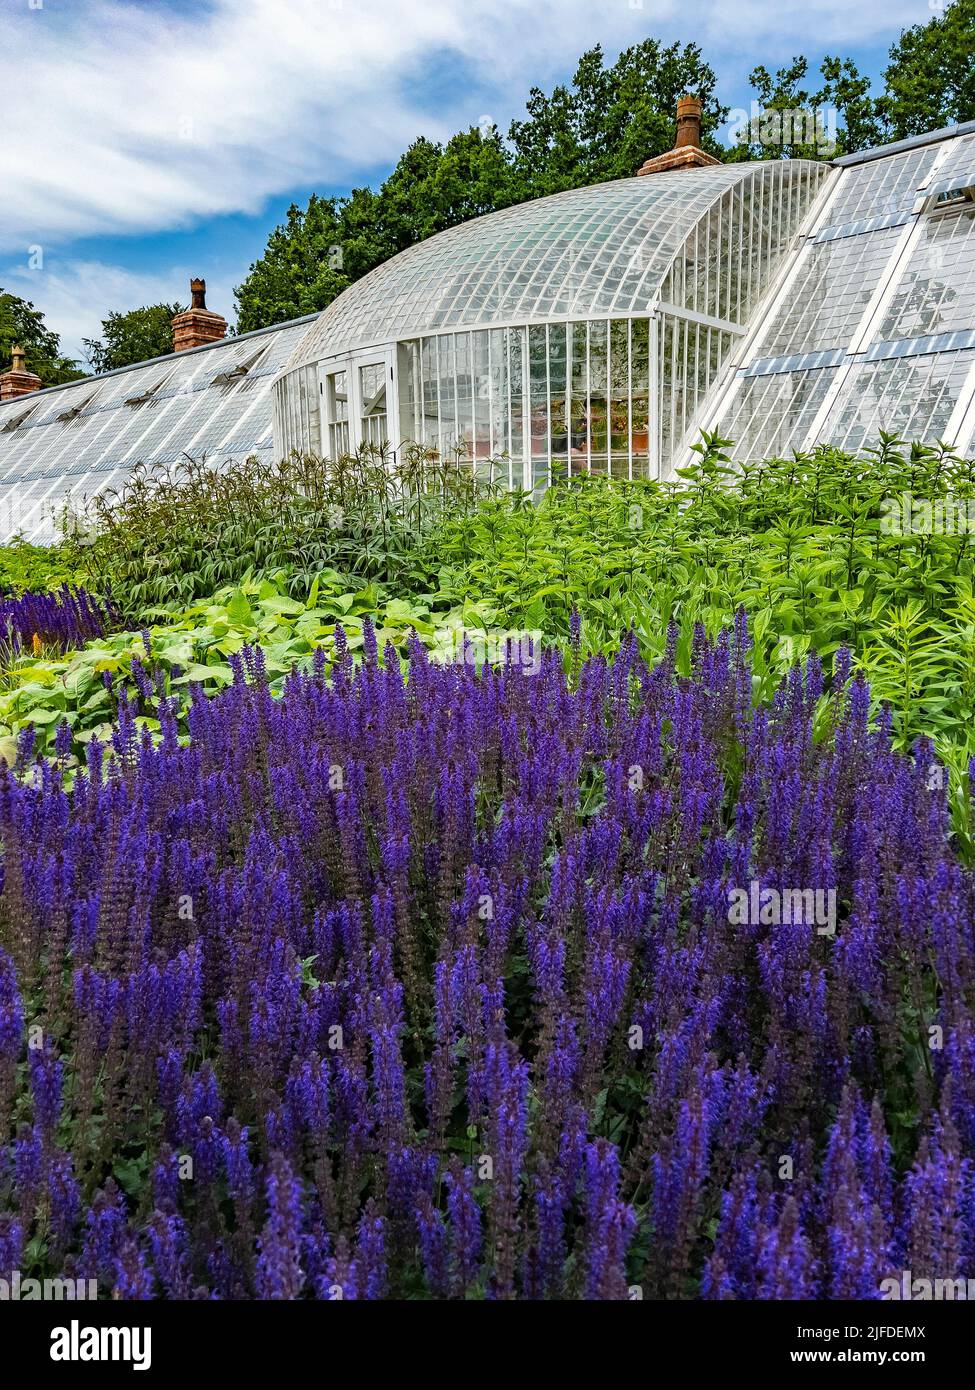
63,446
595,331
577,333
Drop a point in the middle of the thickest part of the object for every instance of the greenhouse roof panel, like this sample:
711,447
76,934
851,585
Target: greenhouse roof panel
582,253
875,313
68,442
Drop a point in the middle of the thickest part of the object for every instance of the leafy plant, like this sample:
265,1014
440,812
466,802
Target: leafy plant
36,568
804,545
177,534
195,647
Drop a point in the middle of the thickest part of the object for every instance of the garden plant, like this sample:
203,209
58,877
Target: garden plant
431,894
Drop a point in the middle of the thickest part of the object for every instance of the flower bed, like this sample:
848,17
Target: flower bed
65,618
442,986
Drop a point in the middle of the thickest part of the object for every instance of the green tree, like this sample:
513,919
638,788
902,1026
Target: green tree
610,119
602,125
133,337
319,251
21,323
300,271
930,81
796,123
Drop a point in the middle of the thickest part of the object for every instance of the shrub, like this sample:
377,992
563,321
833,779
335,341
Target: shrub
72,698
178,534
35,568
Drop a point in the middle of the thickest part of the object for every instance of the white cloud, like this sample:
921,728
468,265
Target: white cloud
135,118
121,117
77,294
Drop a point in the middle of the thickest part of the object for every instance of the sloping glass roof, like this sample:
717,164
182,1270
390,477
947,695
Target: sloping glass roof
874,326
62,446
584,253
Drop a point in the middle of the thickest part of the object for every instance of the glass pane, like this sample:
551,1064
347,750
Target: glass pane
539,413
372,398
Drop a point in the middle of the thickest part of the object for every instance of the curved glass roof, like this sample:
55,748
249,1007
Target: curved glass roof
586,252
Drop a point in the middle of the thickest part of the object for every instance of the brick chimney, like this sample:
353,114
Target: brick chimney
18,381
687,152
197,324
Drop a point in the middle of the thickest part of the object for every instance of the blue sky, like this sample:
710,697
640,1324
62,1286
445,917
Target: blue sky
148,142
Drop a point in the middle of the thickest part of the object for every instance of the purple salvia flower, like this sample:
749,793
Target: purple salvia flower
279,1273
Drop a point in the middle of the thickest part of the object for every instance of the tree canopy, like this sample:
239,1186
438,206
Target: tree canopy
603,125
134,336
930,81
21,323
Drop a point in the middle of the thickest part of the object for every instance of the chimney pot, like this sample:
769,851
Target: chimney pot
197,324
688,122
17,380
687,152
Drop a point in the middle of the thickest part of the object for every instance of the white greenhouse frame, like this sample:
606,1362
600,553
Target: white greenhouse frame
480,325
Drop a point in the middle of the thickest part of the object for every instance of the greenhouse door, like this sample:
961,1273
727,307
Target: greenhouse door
372,389
358,393
335,393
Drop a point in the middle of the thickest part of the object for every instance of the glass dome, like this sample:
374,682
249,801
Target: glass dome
577,332
598,250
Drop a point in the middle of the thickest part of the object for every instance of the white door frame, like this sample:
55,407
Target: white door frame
357,360
351,365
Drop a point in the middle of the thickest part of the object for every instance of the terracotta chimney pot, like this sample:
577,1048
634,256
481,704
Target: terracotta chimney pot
687,152
688,123
197,324
18,381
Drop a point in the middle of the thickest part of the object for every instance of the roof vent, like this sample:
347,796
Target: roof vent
687,152
197,324
233,374
15,421
73,411
146,396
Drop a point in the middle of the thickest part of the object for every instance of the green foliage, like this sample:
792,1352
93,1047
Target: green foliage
844,91
191,646
135,336
37,568
931,78
21,323
610,119
298,273
804,545
177,535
